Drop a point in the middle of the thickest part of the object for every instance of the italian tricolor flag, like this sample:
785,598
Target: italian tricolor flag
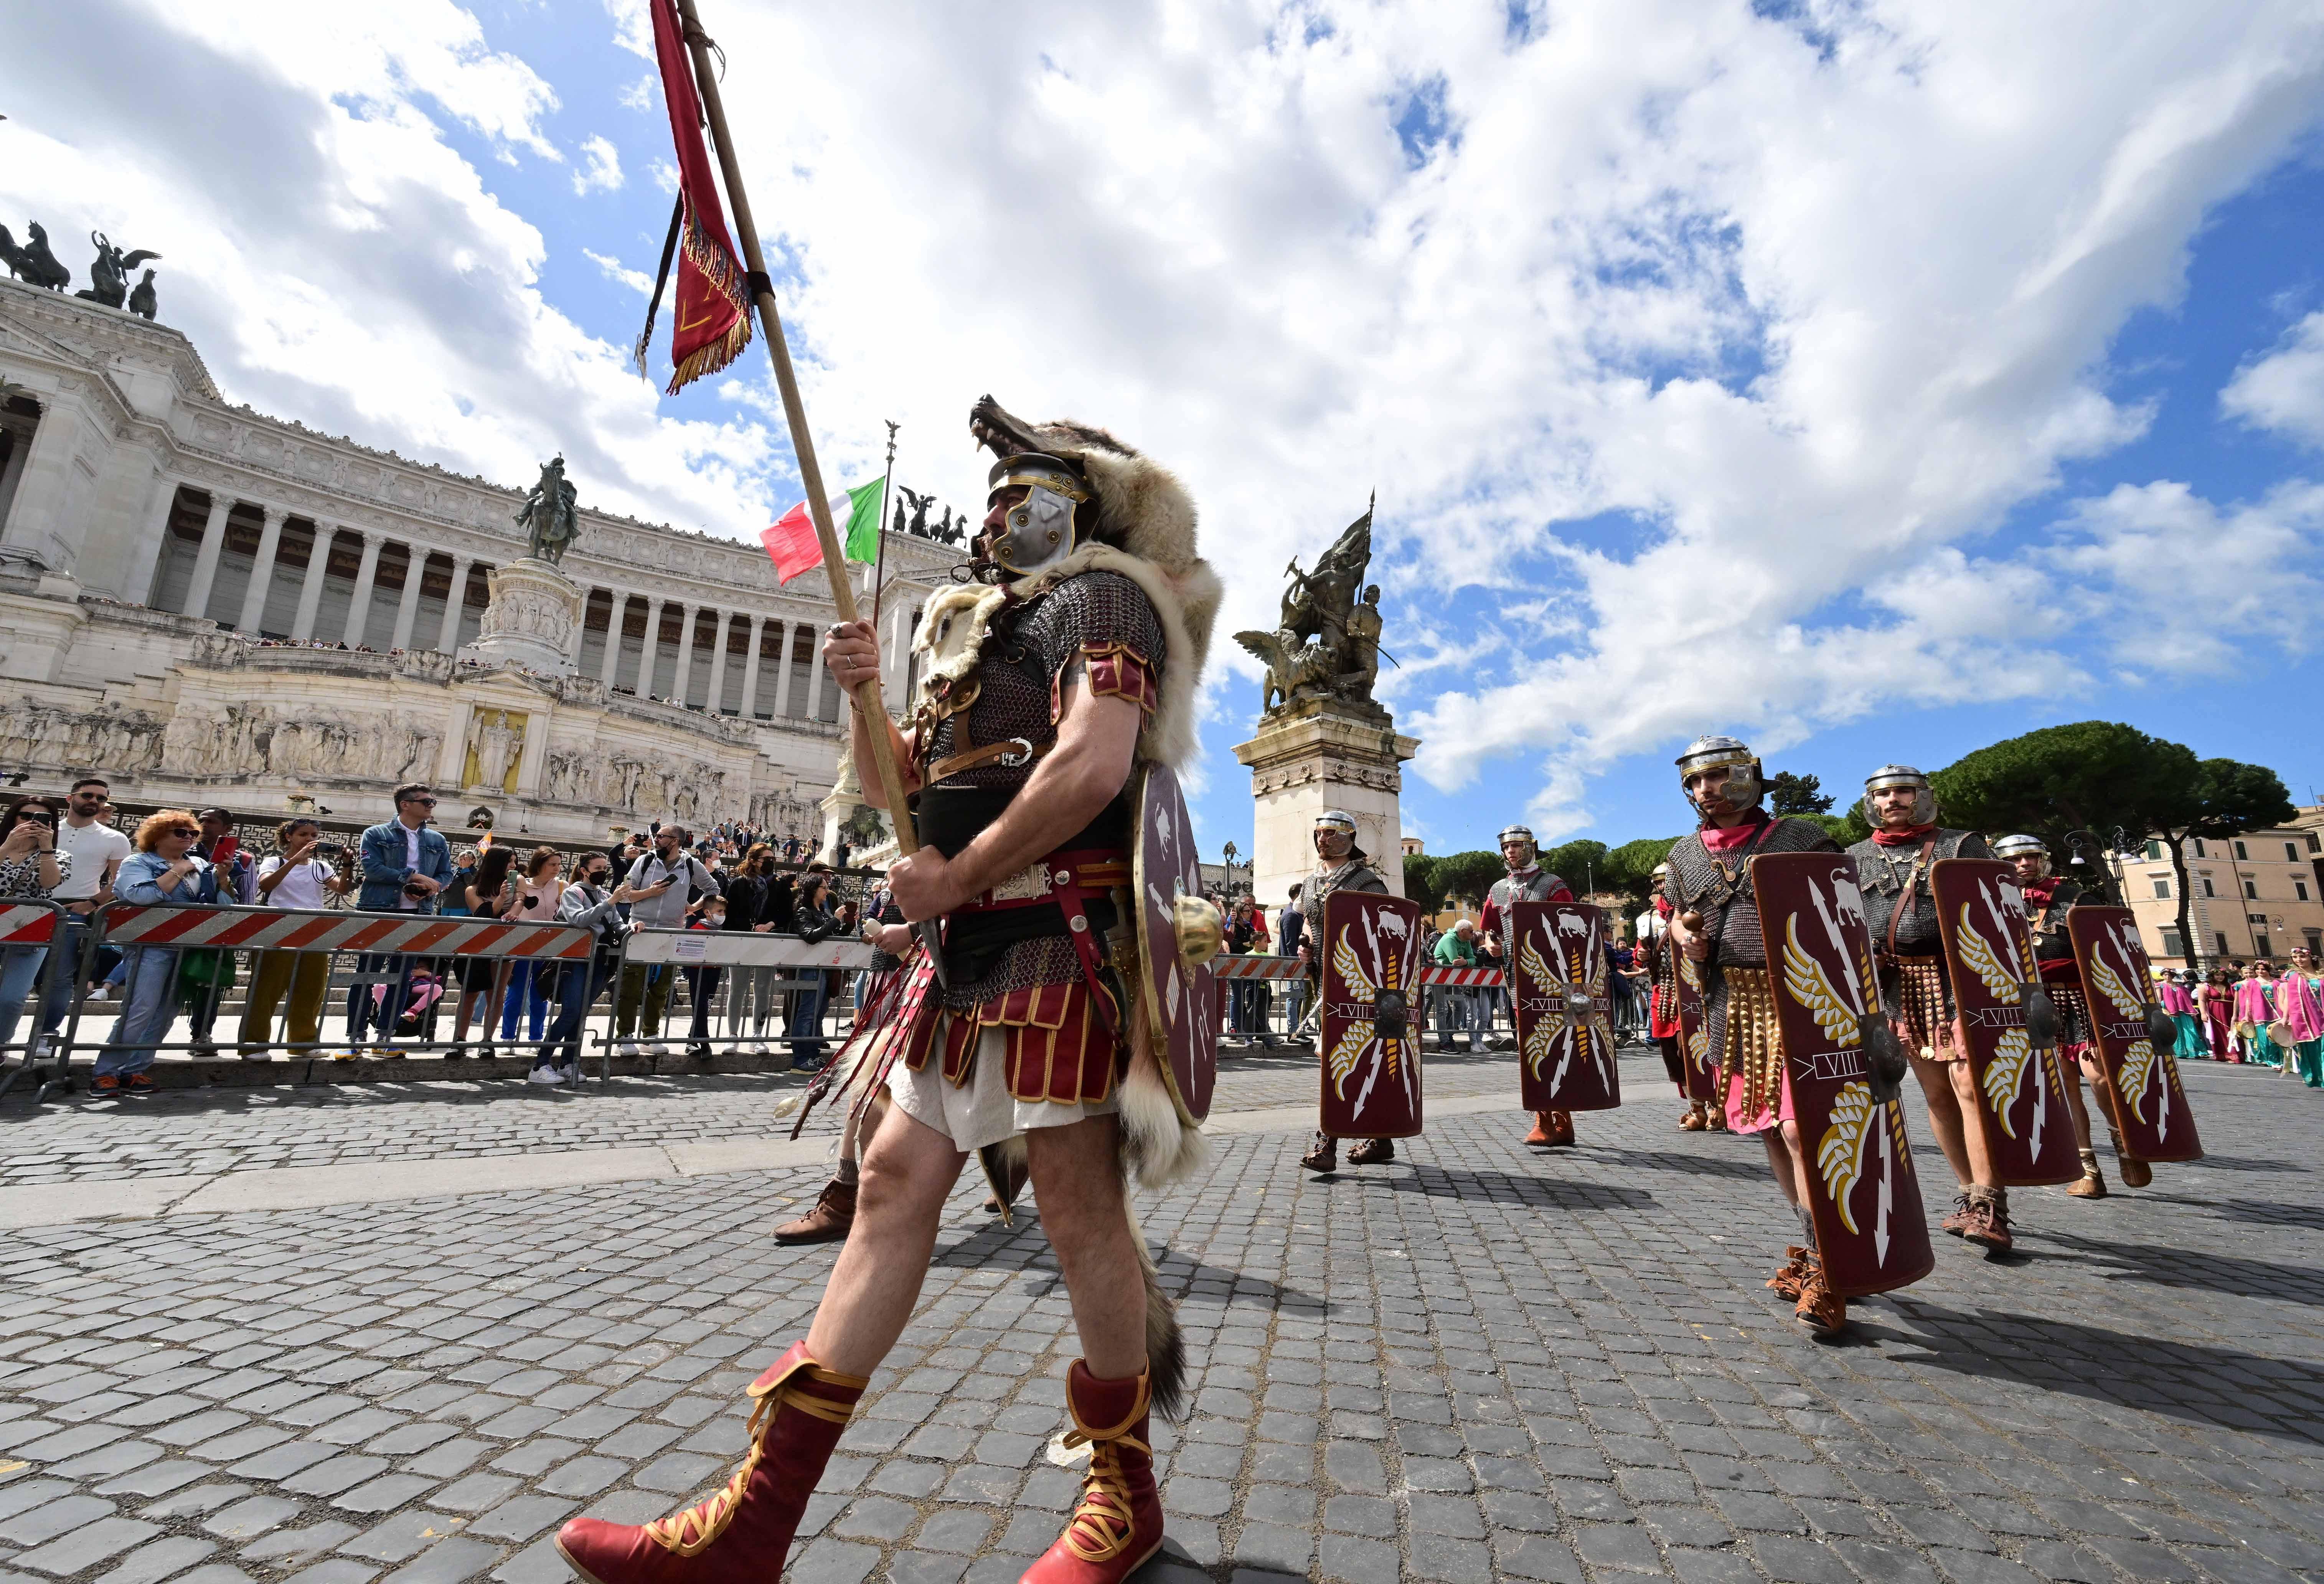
791,541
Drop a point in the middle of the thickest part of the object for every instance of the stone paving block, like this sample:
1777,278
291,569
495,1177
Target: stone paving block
86,1545
448,1561
250,1516
523,1517
1536,1556
400,1538
291,1547
52,1518
337,1571
385,1494
158,1559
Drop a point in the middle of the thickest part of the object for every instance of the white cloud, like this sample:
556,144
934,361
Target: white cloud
2285,390
620,274
645,93
603,170
664,174
1707,344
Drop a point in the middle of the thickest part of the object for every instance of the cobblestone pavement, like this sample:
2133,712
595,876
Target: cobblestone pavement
1477,1362
195,1132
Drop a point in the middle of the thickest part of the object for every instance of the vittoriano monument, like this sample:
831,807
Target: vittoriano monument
1322,740
534,607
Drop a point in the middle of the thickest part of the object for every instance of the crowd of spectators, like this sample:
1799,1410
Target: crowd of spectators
72,851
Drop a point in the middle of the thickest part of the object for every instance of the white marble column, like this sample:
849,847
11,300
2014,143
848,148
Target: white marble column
719,636
750,672
580,628
783,672
139,588
198,597
447,637
310,591
646,656
262,571
684,691
816,673
366,573
407,609
614,615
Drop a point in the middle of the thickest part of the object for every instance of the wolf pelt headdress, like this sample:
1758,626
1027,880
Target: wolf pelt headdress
1138,521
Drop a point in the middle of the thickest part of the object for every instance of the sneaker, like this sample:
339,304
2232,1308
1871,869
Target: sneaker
657,1049
456,1053
252,1053
140,1083
542,1073
105,1084
485,1053
757,1048
627,1047
572,1075
201,1050
700,1053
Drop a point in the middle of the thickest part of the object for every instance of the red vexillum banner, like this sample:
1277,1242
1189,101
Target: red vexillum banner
713,308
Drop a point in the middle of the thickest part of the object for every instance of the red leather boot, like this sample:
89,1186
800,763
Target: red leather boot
741,1534
1118,1523
1561,1128
1539,1138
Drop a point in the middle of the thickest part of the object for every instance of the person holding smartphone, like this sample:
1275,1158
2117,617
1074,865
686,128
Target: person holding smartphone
297,875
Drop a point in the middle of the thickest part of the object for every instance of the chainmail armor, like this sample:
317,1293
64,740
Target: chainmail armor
1089,610
1882,873
1730,912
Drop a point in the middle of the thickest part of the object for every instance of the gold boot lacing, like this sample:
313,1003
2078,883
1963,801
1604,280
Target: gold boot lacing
1102,1525
689,1532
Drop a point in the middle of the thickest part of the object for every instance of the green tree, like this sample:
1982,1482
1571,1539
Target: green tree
2101,777
1577,863
1468,876
1421,884
1791,793
1630,868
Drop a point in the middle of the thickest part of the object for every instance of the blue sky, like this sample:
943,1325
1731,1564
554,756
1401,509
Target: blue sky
1872,381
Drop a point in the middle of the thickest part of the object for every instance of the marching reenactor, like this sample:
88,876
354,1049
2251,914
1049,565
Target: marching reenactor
1527,881
1892,867
1056,687
1662,962
1339,866
1715,922
2048,897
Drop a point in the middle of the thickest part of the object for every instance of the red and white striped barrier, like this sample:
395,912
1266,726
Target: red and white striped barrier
280,929
740,948
1253,965
27,926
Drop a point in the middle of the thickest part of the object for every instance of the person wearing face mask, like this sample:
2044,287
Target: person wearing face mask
1715,922
1339,866
1892,870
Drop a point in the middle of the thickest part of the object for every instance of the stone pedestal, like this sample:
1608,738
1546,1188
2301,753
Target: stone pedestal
530,619
1316,754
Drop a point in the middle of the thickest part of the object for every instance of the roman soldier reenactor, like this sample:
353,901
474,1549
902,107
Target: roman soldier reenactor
1527,881
2048,897
1339,866
1662,1007
1715,921
1892,870
1051,681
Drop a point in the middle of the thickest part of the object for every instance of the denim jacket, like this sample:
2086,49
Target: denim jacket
384,869
138,882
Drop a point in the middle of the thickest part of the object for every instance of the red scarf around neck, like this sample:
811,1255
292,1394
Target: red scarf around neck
1911,836
1726,838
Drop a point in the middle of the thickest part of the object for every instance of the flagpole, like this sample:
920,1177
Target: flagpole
879,557
868,703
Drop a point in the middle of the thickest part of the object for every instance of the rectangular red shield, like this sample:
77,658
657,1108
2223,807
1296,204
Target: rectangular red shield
1564,1009
2142,1093
1989,955
1370,950
1862,1191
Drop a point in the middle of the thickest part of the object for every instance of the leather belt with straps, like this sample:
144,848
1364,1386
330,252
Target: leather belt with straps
1073,877
1010,751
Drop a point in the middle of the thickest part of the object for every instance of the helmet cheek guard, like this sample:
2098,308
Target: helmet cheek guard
1044,528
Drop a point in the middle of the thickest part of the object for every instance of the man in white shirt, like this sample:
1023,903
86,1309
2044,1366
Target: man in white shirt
661,885
98,851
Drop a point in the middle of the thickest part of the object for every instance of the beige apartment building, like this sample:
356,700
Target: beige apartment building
2255,895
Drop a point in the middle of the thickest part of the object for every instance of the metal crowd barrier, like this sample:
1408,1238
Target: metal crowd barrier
27,928
740,976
